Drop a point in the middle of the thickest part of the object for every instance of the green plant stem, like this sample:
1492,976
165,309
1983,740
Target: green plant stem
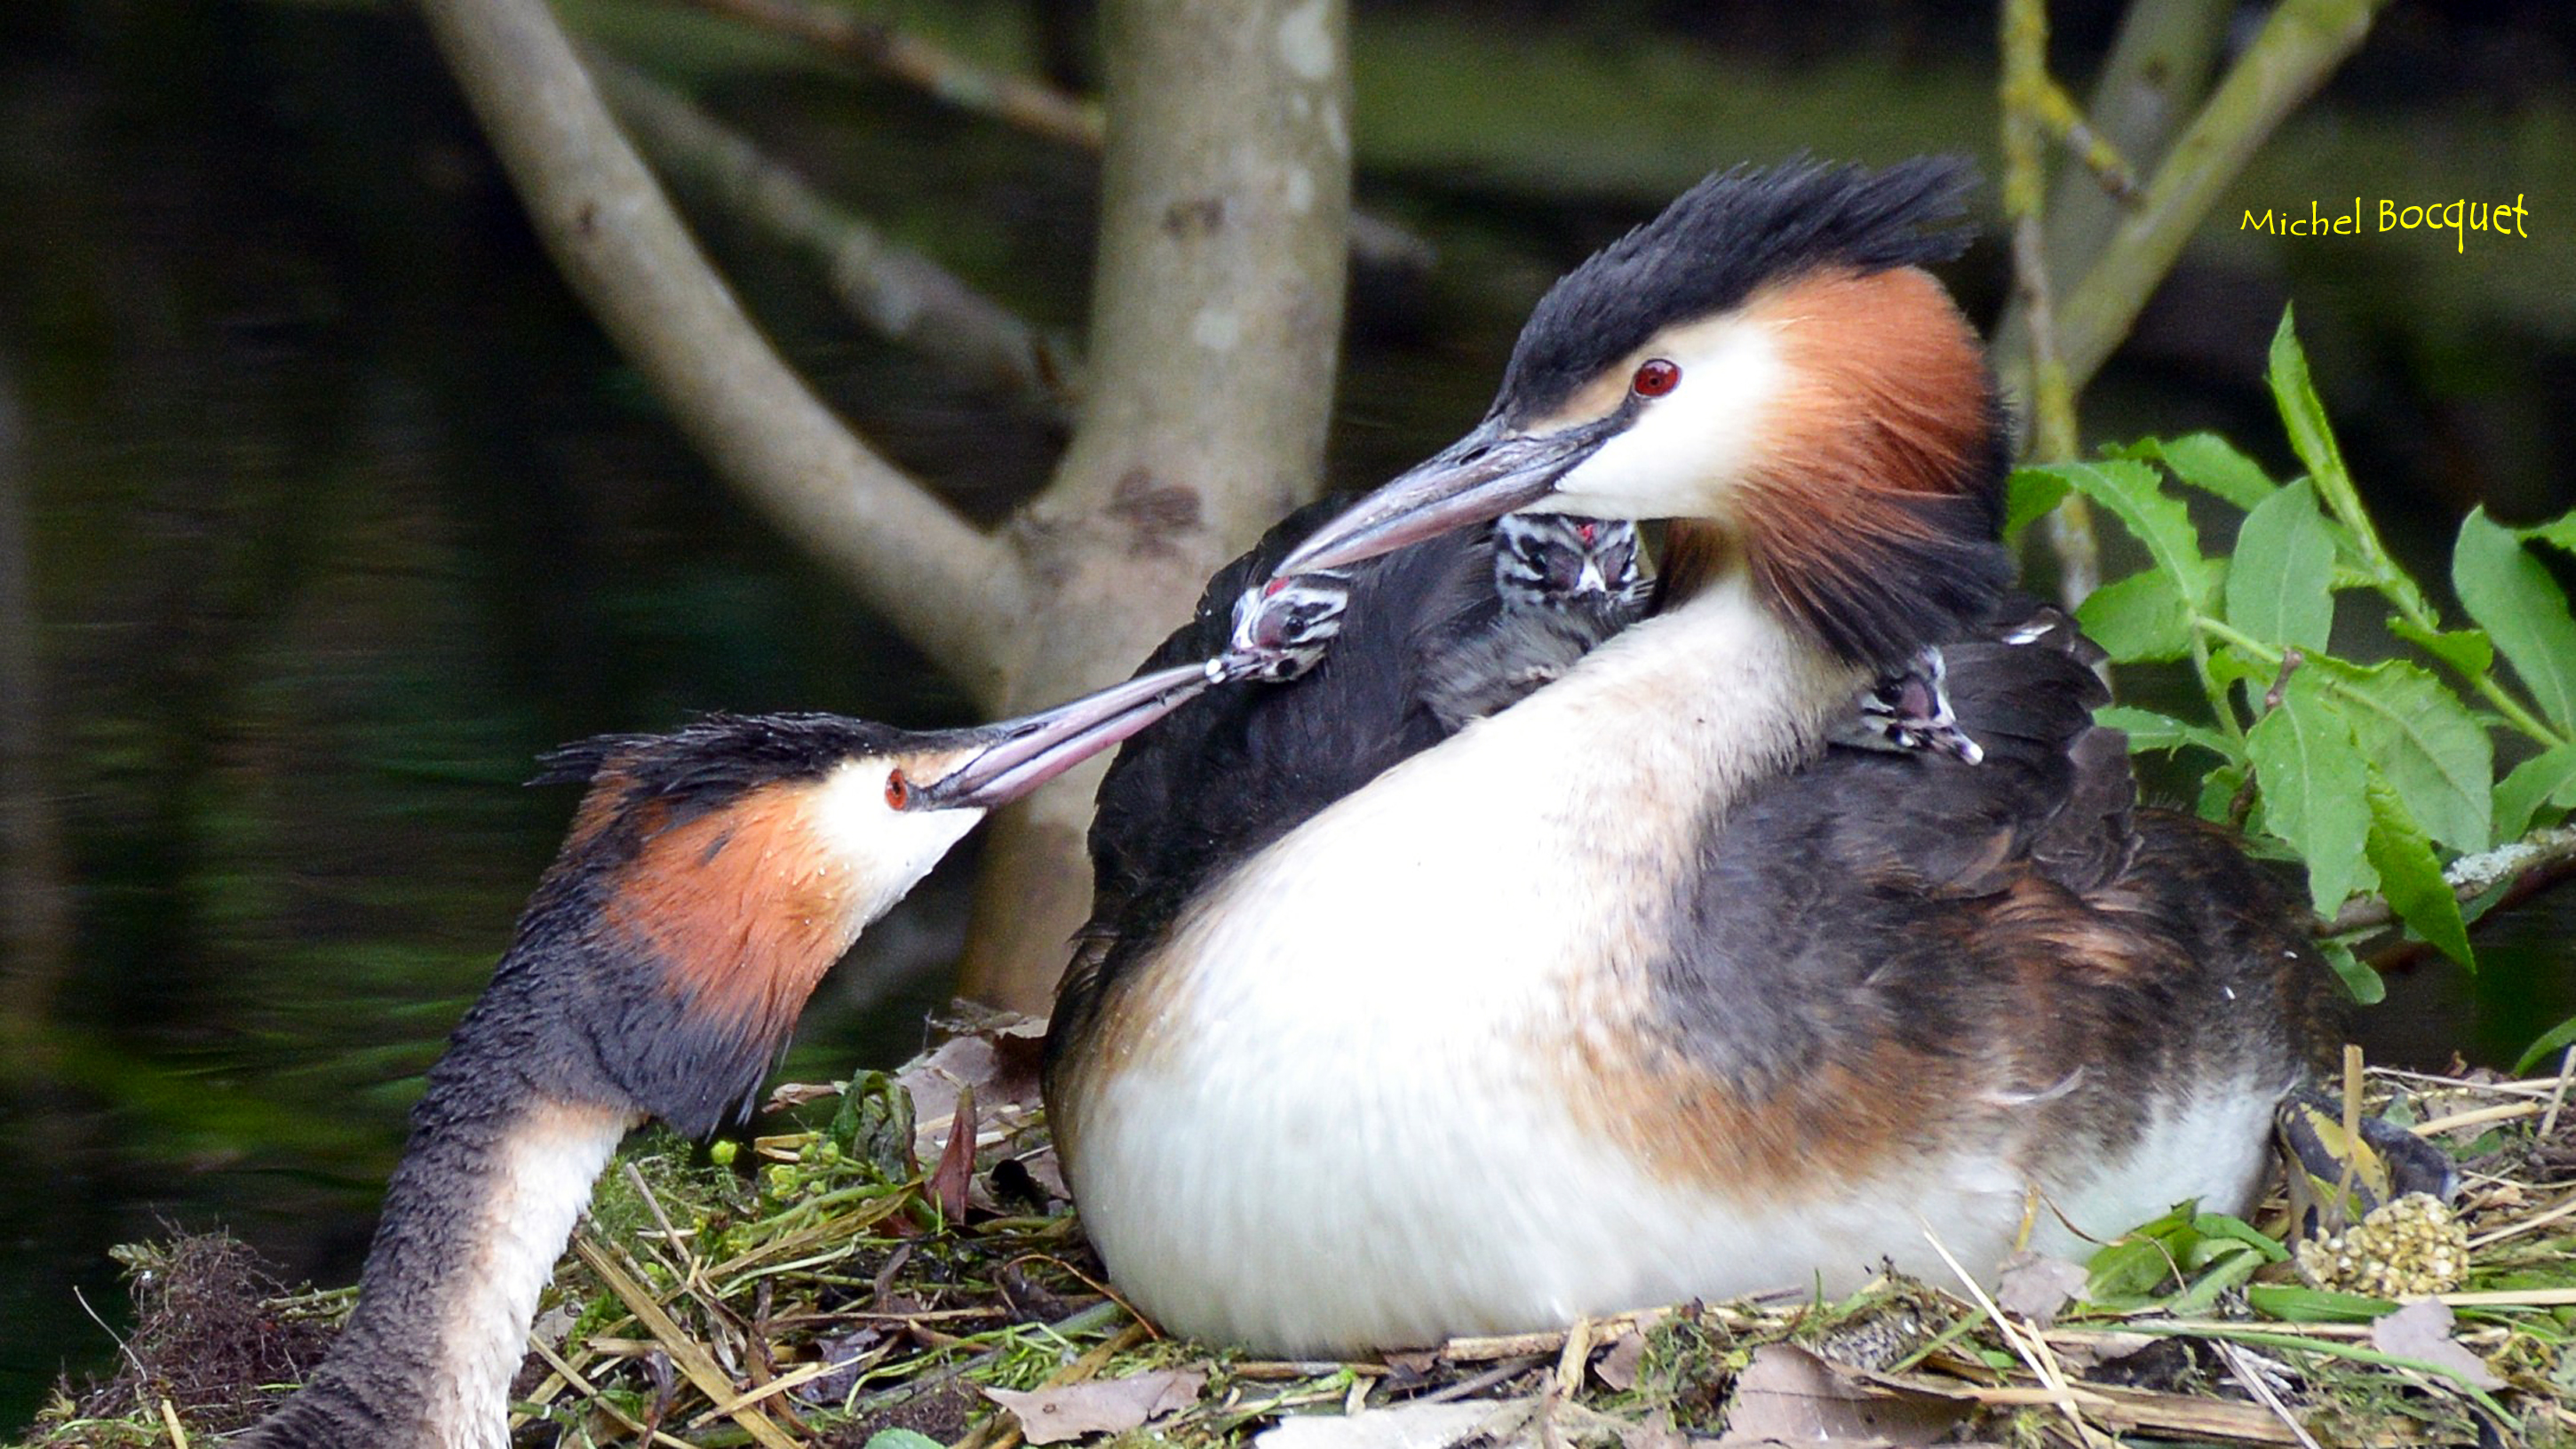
2514,713
2216,692
2512,710
2224,634
2329,1347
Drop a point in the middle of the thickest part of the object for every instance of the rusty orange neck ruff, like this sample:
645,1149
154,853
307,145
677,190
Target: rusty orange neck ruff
1870,502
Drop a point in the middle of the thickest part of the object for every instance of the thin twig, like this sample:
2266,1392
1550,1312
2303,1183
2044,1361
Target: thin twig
2558,1093
1031,106
925,66
634,1175
2033,1351
1503,1372
590,1393
2053,434
2300,44
2534,1223
2057,111
691,1358
2478,1117
2156,74
896,292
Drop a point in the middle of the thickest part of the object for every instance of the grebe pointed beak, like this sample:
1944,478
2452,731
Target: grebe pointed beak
1027,752
1481,477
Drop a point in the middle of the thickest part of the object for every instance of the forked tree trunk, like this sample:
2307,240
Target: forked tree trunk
1215,320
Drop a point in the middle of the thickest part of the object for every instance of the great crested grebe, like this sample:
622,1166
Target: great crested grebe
710,877
1635,991
1429,637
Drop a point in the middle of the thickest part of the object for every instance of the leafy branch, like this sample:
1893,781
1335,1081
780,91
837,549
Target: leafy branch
2054,338
2379,778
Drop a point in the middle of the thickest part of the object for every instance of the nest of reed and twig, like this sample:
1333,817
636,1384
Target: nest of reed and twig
867,1276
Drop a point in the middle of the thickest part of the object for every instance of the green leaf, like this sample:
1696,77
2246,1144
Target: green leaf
2209,462
2280,583
2559,532
2365,984
2312,780
2148,730
2159,520
2218,792
2551,1042
2218,1227
2411,878
2304,415
2548,777
2137,1264
2230,666
2522,607
2433,750
2292,1303
2139,618
902,1439
2232,1267
2469,651
2028,497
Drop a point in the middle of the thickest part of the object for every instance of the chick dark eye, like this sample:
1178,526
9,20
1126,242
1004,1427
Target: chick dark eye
898,790
1655,377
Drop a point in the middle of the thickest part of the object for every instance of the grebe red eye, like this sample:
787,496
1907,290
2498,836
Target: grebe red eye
1655,377
898,790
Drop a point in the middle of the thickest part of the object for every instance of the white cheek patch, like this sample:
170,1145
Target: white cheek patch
885,850
1683,455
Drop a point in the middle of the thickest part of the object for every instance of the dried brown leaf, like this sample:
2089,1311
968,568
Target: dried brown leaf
1101,1406
1618,1367
2422,1330
2034,1286
1787,1395
956,1169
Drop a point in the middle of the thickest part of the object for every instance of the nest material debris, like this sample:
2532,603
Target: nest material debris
827,1284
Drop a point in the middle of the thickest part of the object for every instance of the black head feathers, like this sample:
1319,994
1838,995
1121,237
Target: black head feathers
716,758
1719,241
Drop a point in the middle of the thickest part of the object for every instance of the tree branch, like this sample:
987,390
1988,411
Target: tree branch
1216,315
2538,858
2157,72
2052,403
895,291
2299,46
950,589
1039,109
